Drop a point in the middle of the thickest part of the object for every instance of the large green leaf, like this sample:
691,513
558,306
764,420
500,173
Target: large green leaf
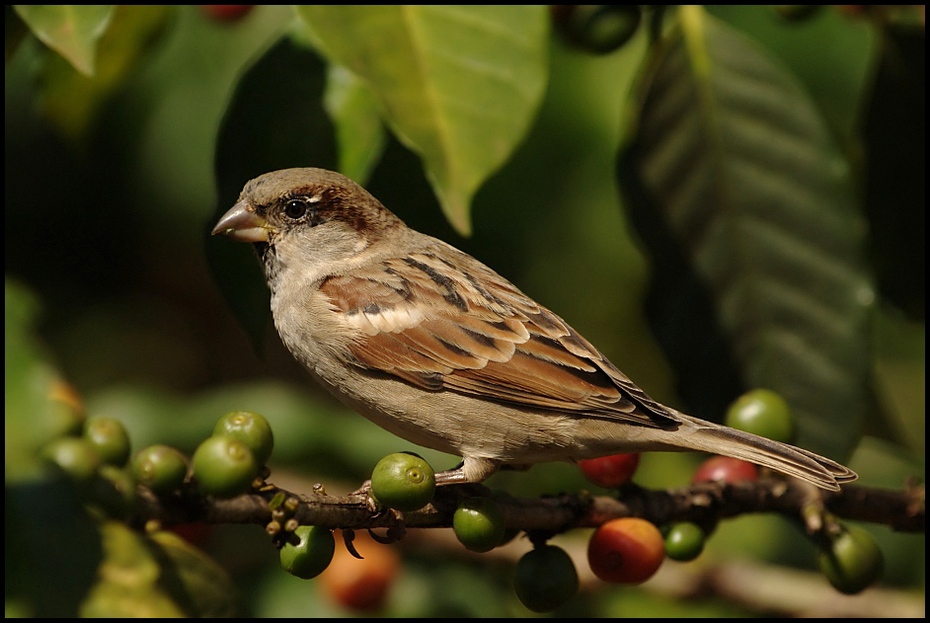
354,111
835,76
458,85
759,203
70,30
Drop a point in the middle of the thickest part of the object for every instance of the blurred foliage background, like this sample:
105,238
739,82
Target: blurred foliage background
127,137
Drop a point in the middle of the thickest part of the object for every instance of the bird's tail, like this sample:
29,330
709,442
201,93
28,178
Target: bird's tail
781,457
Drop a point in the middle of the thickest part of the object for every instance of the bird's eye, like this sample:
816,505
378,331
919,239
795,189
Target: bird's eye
296,208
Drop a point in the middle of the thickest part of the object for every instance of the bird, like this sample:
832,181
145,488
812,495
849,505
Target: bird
431,344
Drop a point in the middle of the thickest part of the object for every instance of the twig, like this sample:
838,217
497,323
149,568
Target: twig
703,503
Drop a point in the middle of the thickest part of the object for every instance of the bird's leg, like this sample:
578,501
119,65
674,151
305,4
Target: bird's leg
472,471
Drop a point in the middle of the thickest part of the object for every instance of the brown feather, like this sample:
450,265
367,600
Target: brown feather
436,347
438,326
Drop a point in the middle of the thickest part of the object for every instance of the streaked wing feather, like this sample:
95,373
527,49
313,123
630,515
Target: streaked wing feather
436,325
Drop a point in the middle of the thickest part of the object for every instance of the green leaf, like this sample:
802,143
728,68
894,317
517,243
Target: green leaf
758,201
359,131
836,75
73,100
70,30
457,85
156,574
35,411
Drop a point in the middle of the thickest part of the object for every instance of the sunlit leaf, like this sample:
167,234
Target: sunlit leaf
71,30
458,85
760,203
72,99
359,131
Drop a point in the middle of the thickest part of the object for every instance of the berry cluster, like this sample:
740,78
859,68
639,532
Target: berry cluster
627,550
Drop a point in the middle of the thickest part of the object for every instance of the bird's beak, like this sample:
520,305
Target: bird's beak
243,224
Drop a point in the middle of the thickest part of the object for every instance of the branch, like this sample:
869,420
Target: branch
703,503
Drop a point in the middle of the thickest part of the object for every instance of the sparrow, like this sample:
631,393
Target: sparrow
432,345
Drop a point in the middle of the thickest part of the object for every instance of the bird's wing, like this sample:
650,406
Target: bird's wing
459,326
